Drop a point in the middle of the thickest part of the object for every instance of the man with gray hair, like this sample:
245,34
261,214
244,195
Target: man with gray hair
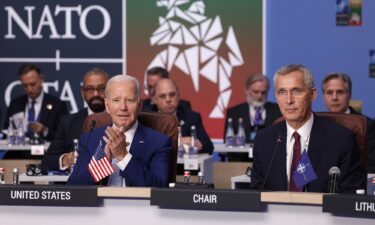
131,154
303,136
337,92
256,112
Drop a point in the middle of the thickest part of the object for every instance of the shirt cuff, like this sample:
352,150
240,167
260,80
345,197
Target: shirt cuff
124,162
60,162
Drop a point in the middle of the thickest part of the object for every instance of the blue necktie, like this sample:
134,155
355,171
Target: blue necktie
31,112
258,121
115,179
31,116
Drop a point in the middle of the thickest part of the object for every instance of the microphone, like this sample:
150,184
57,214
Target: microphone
334,172
278,141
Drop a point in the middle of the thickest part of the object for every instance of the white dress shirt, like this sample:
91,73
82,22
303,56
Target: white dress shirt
304,131
253,112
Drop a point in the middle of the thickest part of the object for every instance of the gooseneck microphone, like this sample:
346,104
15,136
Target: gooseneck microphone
278,141
334,173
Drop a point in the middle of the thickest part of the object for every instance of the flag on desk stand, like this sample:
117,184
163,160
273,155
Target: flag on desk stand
304,172
99,166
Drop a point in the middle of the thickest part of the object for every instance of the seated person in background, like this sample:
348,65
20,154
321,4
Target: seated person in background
166,99
60,154
337,92
278,148
256,112
133,155
40,111
154,74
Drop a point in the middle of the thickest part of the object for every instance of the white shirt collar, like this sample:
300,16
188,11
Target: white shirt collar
89,111
38,100
347,111
304,131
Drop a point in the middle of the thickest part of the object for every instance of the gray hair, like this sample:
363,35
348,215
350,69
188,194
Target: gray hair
341,76
124,78
309,80
256,78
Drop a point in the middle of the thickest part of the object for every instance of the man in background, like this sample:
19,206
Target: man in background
154,74
337,92
39,111
278,149
60,153
166,99
256,112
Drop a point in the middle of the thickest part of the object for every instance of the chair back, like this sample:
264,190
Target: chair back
166,124
355,123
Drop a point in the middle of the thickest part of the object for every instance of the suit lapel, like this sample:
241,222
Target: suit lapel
245,114
138,141
43,108
316,142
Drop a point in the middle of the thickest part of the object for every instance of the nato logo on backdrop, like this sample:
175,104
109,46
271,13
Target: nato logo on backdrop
348,12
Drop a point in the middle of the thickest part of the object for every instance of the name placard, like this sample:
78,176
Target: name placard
42,195
350,205
206,199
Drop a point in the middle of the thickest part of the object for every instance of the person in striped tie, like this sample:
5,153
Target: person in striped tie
126,153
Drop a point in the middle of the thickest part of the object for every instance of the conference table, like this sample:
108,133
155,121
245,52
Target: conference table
203,161
223,148
142,206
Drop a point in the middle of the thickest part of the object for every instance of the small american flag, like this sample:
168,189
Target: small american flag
99,166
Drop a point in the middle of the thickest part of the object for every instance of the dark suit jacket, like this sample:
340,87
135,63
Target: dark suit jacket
149,166
187,118
148,107
69,128
190,118
370,127
243,111
324,152
49,117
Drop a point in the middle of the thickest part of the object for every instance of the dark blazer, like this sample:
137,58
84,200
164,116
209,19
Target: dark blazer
187,118
49,117
243,111
149,166
324,152
69,128
370,128
148,107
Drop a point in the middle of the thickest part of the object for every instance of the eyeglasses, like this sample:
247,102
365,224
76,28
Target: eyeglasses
170,94
91,89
